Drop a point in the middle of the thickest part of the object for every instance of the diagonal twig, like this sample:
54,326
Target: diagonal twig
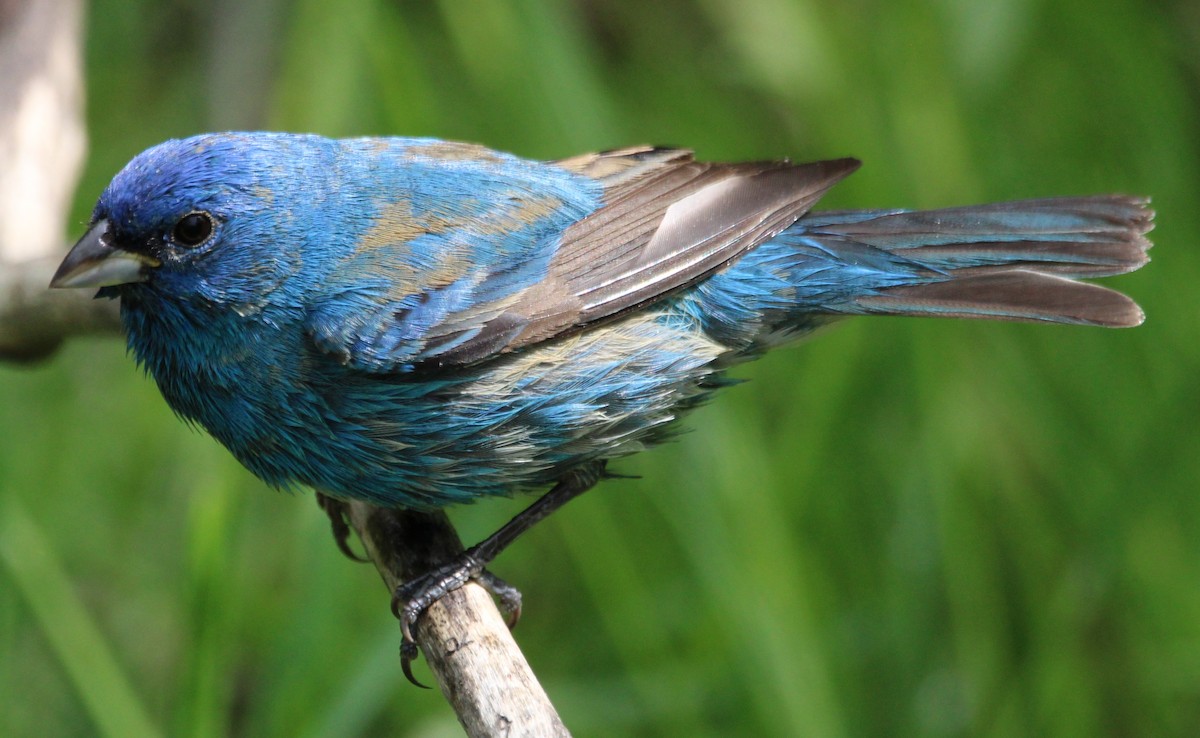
481,671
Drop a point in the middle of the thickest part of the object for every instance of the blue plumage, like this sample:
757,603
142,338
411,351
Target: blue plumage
416,323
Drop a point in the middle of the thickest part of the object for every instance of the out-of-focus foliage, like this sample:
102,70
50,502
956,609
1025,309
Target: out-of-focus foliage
905,527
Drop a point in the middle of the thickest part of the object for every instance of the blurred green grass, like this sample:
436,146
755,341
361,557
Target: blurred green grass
903,528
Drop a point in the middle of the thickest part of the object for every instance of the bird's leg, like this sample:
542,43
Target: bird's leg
336,510
414,596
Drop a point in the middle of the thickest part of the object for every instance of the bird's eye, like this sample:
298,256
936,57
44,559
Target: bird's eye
192,229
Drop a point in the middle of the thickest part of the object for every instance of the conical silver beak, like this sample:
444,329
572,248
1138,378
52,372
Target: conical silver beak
95,262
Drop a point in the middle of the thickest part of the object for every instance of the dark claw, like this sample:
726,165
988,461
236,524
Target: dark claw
409,652
408,645
508,595
336,510
411,599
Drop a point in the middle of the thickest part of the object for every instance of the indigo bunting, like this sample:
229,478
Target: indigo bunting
416,323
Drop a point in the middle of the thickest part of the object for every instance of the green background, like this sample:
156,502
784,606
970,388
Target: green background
905,527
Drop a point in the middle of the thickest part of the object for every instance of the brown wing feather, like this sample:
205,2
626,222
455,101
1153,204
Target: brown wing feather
668,222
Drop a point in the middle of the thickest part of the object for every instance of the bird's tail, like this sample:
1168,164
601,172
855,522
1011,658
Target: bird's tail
1006,261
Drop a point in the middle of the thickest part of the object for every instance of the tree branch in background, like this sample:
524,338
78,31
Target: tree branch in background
42,139
42,143
35,320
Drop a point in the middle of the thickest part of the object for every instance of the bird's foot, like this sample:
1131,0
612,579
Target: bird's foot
336,510
508,596
411,599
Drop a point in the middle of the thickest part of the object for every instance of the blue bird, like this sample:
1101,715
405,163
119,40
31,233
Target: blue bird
418,323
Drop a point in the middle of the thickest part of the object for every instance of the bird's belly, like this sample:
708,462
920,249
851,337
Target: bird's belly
517,422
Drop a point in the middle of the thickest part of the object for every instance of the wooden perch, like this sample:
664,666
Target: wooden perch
481,671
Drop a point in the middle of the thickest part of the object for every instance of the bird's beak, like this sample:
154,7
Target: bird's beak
96,262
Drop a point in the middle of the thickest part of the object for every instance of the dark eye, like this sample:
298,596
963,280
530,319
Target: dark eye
192,229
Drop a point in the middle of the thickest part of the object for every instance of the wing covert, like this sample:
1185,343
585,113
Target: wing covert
536,250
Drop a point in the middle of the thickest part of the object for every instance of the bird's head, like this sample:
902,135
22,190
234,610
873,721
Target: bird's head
196,219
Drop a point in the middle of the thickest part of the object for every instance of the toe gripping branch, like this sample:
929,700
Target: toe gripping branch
411,599
337,512
426,542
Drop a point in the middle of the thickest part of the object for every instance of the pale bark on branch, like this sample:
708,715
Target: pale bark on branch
477,664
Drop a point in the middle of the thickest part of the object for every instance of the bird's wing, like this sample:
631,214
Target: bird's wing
664,222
